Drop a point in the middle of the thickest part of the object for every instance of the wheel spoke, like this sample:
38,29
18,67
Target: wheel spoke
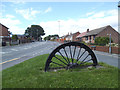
71,54
60,60
66,55
79,53
86,61
58,64
74,51
63,56
84,58
80,56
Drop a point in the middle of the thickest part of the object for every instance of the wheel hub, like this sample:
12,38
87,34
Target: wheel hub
72,65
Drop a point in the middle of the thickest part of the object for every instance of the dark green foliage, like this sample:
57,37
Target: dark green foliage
14,37
51,36
34,31
102,40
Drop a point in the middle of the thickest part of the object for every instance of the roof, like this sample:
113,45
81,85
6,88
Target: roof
4,26
96,31
81,35
75,33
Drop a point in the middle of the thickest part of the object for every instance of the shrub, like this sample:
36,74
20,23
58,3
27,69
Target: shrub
102,40
14,37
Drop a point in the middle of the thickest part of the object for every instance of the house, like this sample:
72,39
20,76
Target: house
72,37
80,36
4,34
63,38
105,31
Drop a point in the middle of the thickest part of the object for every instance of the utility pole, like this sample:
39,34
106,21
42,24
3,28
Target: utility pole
59,29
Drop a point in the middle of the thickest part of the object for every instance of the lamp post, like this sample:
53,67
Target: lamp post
109,43
59,29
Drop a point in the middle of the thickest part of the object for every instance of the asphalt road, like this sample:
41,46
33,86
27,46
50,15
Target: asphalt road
12,55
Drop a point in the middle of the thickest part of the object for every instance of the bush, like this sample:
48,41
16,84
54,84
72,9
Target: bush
14,37
102,40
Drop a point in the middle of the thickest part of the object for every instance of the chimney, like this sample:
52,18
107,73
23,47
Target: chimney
87,30
68,33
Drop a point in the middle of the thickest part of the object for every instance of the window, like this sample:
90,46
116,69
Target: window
87,38
94,37
90,37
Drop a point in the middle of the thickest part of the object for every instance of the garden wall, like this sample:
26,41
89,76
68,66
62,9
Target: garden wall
114,50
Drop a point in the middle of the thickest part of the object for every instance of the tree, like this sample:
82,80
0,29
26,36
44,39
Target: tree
14,37
102,40
34,31
51,36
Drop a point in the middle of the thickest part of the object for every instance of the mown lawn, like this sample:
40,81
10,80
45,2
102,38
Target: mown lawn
30,74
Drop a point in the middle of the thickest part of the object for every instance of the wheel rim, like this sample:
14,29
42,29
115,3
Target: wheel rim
73,54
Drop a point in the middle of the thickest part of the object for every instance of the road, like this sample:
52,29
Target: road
12,55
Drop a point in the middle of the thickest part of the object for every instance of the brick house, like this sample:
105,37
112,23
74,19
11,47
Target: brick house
72,37
90,36
4,33
80,36
63,38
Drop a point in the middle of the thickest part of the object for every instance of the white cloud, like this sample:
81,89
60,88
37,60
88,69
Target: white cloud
19,2
10,16
28,14
99,15
90,13
12,23
49,9
97,20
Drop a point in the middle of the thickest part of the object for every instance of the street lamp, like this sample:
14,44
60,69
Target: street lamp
59,27
109,43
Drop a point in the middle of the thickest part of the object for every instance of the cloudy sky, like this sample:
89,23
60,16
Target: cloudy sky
73,16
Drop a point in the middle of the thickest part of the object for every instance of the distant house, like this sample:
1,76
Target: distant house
81,35
90,36
4,33
63,38
72,37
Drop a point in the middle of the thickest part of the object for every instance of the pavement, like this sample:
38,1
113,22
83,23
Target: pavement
111,59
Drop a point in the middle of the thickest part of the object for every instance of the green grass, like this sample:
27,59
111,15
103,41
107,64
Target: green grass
30,74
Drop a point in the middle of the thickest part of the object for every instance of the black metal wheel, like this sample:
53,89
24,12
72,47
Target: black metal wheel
70,55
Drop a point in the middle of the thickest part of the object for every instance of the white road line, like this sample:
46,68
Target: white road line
14,49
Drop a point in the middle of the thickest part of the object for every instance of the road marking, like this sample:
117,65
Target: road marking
10,60
14,49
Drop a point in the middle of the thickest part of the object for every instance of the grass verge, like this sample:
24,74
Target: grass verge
30,74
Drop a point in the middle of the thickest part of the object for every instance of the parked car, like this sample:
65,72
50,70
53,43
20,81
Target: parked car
3,43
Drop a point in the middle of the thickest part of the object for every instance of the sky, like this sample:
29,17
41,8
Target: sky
58,17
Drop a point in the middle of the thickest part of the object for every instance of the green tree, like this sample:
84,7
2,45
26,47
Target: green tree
14,37
35,31
102,40
51,36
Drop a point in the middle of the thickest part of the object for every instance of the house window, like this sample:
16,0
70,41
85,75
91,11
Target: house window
94,37
90,37
87,38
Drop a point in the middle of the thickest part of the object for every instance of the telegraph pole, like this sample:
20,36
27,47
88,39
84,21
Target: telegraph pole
59,29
